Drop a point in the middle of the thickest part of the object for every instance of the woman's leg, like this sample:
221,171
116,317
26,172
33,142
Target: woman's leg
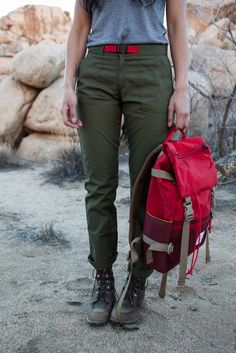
145,95
146,121
100,113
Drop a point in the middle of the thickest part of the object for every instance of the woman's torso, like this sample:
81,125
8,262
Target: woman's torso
128,21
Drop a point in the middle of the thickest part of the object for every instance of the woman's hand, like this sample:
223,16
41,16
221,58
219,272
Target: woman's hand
179,104
68,108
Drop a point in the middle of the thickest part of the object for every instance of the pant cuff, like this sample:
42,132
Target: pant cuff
104,264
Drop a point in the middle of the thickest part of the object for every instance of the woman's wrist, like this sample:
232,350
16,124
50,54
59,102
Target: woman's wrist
68,84
181,87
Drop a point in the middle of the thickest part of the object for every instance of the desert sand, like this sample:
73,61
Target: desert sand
44,289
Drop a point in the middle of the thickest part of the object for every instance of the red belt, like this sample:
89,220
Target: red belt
120,48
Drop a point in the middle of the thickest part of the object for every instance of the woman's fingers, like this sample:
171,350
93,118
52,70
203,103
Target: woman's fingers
182,120
68,110
179,106
170,115
73,119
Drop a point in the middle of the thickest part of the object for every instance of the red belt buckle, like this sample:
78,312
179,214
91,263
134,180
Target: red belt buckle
120,48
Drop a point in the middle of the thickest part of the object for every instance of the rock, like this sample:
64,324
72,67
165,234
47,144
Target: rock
2,77
193,308
202,13
217,65
38,65
200,87
192,35
32,24
218,34
39,146
15,101
44,115
4,65
10,43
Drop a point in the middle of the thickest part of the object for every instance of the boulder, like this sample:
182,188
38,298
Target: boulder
192,35
4,65
202,13
2,77
39,146
217,65
218,34
10,43
34,23
15,102
44,115
38,65
200,89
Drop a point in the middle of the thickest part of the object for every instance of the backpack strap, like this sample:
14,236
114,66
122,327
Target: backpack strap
158,173
208,256
138,187
208,230
162,290
136,193
185,240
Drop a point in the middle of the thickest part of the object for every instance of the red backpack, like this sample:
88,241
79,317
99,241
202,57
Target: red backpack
178,217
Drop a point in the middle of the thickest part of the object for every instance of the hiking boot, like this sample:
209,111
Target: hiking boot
133,302
103,298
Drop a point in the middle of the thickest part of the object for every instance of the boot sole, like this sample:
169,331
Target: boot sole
97,323
116,322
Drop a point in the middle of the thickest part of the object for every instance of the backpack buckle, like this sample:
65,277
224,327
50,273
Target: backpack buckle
188,210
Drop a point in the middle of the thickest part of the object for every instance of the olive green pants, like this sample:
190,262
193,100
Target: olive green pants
109,84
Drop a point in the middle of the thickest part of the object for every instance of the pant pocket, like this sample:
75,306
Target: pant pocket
89,79
156,83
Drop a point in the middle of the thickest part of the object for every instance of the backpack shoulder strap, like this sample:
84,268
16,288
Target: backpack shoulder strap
135,199
144,172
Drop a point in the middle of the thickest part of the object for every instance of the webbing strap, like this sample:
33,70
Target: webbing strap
158,173
156,246
133,259
185,241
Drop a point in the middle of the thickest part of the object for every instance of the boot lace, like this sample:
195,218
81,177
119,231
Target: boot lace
105,283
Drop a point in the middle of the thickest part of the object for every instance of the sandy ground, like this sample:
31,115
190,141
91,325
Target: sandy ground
44,290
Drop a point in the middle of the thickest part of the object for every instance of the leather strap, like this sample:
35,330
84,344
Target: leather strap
134,203
162,290
138,189
208,256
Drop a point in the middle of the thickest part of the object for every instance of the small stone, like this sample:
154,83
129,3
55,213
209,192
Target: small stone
173,306
193,308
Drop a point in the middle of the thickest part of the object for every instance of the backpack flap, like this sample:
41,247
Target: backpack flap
193,165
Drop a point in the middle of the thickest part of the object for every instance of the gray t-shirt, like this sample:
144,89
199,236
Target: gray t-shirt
127,21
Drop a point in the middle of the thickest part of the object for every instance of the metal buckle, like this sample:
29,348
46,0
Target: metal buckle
122,48
170,248
189,216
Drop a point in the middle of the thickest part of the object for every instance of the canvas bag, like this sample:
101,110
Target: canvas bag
179,205
181,176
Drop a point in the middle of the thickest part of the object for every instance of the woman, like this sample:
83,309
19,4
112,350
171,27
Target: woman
127,71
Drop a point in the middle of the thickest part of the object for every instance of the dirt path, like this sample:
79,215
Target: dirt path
44,289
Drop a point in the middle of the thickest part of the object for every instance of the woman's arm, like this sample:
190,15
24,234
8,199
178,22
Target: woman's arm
176,16
76,49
